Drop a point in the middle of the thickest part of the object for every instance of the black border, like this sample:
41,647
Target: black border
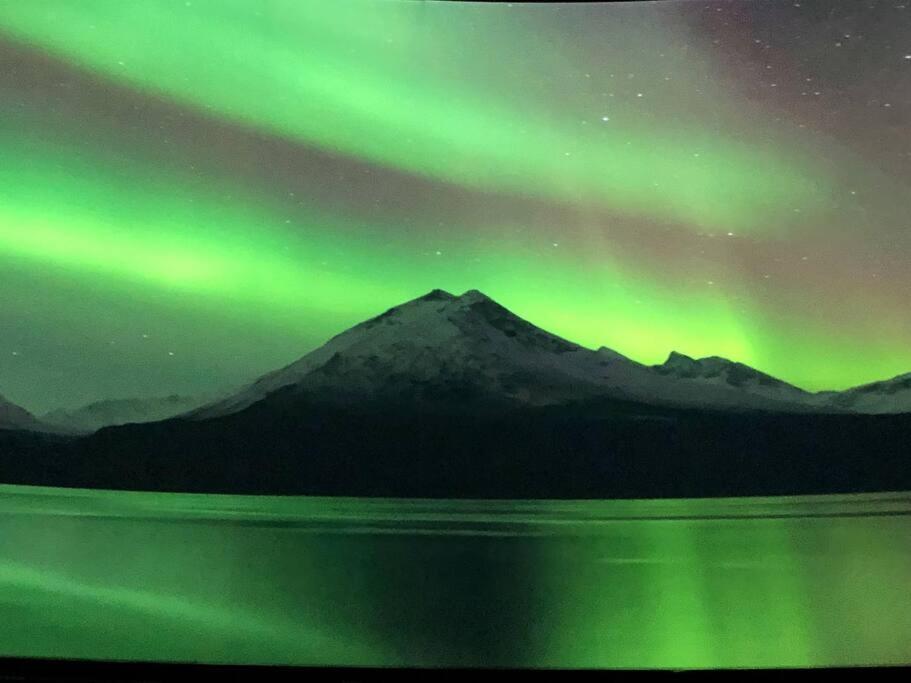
19,669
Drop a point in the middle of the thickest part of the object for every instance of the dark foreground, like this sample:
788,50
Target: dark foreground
284,445
314,581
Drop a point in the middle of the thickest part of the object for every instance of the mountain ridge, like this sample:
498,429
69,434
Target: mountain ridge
112,412
453,329
457,397
472,342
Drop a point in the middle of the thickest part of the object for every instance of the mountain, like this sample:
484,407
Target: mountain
14,417
457,353
888,396
94,416
717,371
457,397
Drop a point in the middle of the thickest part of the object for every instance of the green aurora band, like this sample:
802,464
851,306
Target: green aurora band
239,278
313,78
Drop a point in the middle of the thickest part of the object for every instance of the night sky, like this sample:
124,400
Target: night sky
195,192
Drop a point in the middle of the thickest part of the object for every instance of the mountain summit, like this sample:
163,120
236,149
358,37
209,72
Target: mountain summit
450,352
436,348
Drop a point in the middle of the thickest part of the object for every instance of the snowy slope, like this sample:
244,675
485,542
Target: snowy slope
441,348
100,414
717,371
888,396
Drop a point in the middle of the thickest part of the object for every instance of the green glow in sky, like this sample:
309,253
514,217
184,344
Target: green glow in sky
195,193
296,69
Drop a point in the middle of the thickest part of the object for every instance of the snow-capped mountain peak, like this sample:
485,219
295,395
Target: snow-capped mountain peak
463,343
443,348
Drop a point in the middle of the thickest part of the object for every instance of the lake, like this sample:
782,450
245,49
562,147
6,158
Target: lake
810,581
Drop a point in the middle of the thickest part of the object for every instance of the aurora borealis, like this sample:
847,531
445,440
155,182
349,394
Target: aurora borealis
193,193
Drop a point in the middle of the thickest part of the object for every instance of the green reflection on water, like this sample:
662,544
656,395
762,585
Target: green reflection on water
712,583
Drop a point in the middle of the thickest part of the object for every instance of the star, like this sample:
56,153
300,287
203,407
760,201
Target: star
605,118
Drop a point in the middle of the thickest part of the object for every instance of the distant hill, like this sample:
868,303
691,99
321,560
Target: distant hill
94,416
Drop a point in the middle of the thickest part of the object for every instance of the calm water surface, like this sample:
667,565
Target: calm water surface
318,581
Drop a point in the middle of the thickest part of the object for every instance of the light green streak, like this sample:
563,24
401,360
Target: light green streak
293,70
152,604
